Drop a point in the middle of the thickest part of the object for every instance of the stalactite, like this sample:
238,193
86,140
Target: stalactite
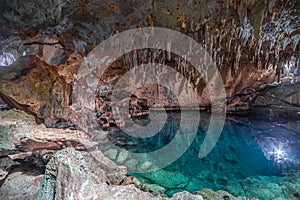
169,45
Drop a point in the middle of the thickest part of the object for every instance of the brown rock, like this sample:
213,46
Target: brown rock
3,174
25,135
38,89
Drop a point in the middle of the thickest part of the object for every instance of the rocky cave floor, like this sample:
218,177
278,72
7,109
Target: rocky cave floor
48,163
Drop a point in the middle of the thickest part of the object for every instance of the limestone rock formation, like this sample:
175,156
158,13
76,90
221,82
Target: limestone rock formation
75,175
27,184
21,133
24,143
272,100
253,43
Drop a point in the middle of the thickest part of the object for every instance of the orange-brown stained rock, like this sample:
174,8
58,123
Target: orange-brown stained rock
35,87
31,145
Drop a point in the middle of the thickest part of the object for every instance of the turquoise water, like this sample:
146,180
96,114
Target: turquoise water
254,157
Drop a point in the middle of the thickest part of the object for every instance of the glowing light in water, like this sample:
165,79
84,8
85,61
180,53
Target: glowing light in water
6,58
279,153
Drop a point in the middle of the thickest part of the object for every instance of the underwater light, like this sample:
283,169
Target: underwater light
279,153
6,58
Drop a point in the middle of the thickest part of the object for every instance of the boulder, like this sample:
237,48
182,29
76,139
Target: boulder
19,185
75,174
208,194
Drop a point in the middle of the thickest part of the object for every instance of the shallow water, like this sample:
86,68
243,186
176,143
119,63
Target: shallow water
251,153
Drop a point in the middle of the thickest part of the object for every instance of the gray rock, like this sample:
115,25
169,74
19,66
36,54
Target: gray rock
132,180
67,172
167,179
131,164
126,192
6,163
145,166
72,174
208,194
186,196
77,175
154,189
123,155
20,186
111,153
114,173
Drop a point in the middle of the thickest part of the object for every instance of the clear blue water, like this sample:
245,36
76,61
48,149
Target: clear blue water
251,153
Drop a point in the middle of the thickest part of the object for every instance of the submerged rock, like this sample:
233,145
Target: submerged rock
73,174
111,153
168,178
254,44
77,175
154,189
123,155
222,195
275,187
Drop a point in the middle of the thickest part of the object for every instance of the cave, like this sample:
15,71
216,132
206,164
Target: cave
126,99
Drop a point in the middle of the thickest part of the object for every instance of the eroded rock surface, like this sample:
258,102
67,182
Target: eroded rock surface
75,175
20,132
273,100
253,43
25,143
27,186
91,174
38,88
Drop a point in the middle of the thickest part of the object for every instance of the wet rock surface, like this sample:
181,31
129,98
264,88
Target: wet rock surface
243,37
69,173
273,100
255,45
88,180
258,151
97,176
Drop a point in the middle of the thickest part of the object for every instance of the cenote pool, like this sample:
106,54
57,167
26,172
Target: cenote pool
254,157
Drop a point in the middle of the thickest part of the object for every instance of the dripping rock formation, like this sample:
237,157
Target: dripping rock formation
254,44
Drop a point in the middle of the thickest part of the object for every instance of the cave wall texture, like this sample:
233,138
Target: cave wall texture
255,44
